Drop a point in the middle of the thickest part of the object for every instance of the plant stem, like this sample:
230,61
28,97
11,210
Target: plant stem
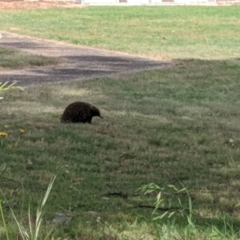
16,143
3,219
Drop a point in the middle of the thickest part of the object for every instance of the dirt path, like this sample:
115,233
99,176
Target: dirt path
13,5
78,62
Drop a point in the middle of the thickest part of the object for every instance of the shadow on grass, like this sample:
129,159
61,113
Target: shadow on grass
82,67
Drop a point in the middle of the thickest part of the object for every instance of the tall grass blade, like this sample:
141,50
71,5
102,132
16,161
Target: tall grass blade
3,220
39,217
21,228
29,221
32,233
5,86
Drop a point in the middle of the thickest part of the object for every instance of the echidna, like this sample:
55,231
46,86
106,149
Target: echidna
80,112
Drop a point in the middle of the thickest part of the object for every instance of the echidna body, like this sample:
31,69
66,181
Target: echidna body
80,112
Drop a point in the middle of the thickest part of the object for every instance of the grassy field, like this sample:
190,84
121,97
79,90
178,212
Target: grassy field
176,126
162,32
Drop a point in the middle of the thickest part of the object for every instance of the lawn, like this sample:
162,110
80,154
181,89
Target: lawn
176,126
16,59
161,32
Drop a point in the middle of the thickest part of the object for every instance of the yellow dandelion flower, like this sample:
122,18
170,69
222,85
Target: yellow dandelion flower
3,134
22,131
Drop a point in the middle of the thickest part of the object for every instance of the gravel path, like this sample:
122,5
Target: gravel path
77,62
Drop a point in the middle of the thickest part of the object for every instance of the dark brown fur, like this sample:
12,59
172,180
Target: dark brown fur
79,112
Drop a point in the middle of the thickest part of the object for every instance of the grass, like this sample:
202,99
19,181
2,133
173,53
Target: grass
169,126
176,126
17,59
33,229
161,32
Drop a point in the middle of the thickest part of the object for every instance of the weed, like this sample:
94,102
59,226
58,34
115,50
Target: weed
13,144
168,200
7,86
32,232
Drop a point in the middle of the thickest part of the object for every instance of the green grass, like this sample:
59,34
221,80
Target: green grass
170,126
16,59
178,126
162,32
